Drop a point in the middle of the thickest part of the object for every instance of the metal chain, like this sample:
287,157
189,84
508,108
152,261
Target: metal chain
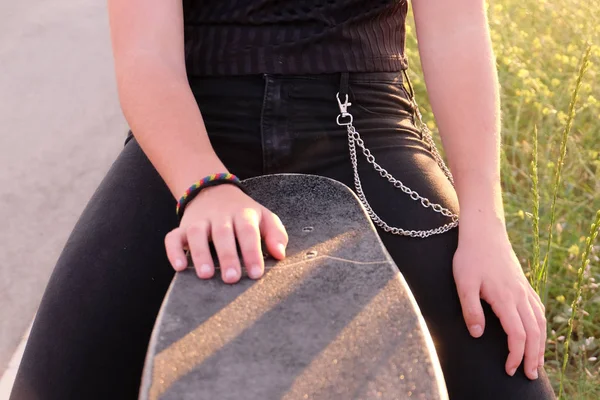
354,139
429,138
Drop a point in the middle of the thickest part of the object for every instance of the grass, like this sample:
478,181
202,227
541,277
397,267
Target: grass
548,56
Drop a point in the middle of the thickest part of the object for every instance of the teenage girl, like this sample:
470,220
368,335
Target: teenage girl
251,87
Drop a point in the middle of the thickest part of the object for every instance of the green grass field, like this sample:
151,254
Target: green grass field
540,47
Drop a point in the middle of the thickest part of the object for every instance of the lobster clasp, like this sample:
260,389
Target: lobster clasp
344,111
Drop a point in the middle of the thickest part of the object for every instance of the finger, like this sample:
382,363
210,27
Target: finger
513,326
532,341
536,296
248,237
470,302
223,237
174,244
540,315
198,235
274,233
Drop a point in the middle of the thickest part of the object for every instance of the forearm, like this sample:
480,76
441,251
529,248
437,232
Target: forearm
461,78
164,117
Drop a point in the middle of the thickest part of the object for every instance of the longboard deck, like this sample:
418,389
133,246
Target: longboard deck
334,320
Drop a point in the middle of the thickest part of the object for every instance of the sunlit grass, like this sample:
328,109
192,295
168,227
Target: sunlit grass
585,262
536,274
542,277
551,168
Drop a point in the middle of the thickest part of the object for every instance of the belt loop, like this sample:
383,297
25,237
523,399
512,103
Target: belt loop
344,83
410,86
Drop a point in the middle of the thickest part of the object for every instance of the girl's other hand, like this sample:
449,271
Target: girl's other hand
486,267
221,214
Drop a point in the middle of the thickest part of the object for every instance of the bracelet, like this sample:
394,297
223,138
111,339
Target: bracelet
211,180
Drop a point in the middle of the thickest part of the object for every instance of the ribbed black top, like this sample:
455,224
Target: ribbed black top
236,37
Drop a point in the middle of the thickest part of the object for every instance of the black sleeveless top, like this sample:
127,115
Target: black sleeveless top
237,37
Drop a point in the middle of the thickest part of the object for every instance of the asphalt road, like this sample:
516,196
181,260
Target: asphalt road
60,129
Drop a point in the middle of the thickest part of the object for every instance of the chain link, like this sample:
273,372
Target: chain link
429,139
354,139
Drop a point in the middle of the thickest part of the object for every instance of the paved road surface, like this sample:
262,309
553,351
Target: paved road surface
60,129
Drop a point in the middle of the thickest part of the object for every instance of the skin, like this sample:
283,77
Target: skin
461,78
462,83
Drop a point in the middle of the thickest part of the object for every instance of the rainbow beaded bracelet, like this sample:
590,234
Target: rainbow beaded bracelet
211,180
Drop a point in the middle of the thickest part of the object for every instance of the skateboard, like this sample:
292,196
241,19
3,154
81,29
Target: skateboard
334,320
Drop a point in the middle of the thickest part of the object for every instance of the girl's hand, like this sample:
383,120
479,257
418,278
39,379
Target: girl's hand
223,213
486,267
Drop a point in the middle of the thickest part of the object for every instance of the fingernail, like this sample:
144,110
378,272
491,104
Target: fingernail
205,269
476,330
179,263
255,272
230,274
281,248
512,371
534,373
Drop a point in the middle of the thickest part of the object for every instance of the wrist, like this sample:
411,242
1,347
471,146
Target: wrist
205,183
218,190
480,226
480,200
186,177
482,213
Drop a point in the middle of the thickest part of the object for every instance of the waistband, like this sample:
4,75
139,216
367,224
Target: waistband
335,78
342,80
397,77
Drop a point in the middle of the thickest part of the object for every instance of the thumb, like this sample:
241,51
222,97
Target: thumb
274,234
471,307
